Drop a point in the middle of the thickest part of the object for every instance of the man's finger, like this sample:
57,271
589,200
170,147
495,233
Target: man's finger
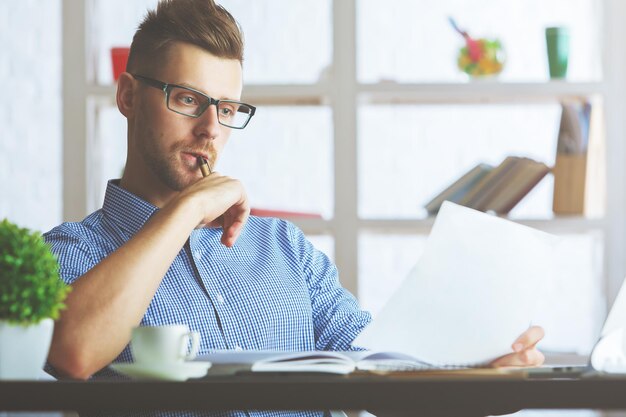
230,234
528,339
233,226
525,358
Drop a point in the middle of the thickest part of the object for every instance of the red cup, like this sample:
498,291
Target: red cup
119,58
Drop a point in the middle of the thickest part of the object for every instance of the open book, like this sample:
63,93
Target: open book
229,362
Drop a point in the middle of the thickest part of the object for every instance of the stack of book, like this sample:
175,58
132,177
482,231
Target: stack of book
488,188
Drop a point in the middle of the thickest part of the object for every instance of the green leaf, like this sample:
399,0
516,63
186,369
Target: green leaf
30,287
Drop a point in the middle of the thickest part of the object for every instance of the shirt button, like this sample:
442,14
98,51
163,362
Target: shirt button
220,299
238,348
197,254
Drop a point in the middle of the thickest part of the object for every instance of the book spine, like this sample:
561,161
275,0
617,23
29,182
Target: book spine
459,188
532,182
481,197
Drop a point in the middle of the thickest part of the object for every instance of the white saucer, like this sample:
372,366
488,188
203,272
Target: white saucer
168,372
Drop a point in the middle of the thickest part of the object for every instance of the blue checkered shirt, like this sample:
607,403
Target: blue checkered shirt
271,291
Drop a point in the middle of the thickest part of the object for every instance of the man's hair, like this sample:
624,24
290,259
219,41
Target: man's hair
198,22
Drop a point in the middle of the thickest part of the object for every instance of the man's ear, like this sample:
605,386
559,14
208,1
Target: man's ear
125,97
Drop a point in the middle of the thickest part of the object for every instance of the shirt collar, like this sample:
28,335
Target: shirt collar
126,209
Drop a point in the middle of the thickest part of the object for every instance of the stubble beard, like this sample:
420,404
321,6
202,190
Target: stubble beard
166,164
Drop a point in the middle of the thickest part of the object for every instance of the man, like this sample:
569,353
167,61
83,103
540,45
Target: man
171,246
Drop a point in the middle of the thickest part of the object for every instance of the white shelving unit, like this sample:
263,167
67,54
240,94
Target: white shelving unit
343,93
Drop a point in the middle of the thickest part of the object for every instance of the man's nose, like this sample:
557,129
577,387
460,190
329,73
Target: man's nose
208,123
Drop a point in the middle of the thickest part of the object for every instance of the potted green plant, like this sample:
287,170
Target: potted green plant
31,297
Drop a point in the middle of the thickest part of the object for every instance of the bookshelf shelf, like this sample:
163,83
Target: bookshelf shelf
423,226
558,225
391,92
477,92
313,226
314,94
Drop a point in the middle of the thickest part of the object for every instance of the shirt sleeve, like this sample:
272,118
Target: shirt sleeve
74,258
337,317
73,253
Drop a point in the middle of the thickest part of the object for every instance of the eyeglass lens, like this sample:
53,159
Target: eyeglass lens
190,103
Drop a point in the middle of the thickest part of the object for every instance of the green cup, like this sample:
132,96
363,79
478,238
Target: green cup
557,41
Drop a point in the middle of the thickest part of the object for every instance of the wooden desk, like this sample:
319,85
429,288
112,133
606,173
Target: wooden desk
475,395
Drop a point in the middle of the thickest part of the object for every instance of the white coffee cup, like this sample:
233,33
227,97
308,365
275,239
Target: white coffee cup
164,344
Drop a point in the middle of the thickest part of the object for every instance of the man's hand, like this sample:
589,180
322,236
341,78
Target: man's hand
525,354
220,202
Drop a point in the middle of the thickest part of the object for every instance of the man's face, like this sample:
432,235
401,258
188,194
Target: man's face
168,143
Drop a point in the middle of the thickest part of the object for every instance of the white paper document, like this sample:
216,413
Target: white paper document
473,292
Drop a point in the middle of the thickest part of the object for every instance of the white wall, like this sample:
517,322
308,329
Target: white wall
30,112
30,118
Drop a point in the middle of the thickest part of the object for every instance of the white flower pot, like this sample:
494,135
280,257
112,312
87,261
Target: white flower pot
24,349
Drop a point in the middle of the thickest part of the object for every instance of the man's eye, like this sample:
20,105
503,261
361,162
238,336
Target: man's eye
227,112
189,100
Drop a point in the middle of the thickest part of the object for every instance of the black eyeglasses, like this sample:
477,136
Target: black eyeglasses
192,103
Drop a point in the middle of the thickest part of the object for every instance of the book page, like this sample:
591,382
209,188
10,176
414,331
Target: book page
257,356
231,362
470,296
